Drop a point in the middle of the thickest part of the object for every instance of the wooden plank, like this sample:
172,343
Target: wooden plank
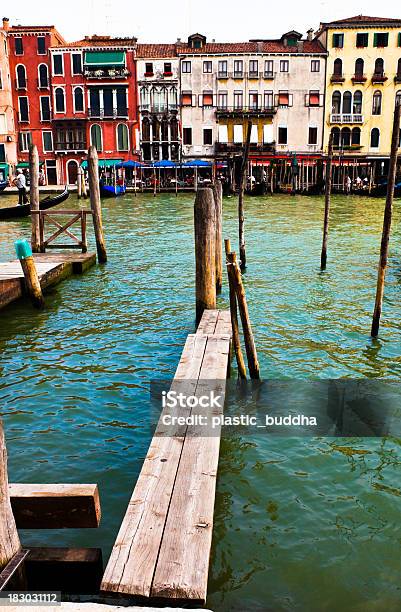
133,559
55,506
183,562
207,324
223,325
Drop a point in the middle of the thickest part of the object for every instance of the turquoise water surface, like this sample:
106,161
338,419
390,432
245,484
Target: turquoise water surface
303,524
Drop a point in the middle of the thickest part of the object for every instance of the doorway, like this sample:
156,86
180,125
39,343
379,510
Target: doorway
72,172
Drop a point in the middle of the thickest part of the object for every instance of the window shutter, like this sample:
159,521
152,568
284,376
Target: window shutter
399,39
375,40
334,40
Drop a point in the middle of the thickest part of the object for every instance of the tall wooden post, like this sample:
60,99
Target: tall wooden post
388,210
34,196
9,540
218,201
233,312
241,216
94,192
79,182
205,251
32,282
327,200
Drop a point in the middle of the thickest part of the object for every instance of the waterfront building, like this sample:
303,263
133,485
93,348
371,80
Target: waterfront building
362,83
8,139
159,93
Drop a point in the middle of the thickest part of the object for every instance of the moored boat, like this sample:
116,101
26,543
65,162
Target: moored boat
3,185
16,212
112,191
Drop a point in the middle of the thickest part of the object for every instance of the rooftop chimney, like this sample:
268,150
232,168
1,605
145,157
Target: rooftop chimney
6,23
310,34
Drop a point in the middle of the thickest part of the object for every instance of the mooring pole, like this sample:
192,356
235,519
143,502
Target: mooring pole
34,196
218,200
32,282
79,182
241,215
388,210
327,200
233,313
9,540
94,193
205,251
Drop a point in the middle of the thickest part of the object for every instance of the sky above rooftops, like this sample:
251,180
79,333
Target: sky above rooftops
161,21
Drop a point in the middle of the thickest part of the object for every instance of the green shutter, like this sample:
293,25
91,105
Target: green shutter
375,40
399,39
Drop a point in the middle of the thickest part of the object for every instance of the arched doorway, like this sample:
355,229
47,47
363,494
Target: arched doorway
72,172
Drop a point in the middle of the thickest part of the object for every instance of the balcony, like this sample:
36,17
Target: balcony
337,78
106,73
70,146
246,111
346,118
238,74
359,78
222,74
158,108
253,74
379,78
112,113
269,75
238,147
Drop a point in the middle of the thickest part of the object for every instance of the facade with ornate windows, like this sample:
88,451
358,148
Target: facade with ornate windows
362,83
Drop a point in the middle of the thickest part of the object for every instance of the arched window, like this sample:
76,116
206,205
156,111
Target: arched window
145,129
336,136
374,138
357,104
347,99
145,98
43,75
336,103
338,67
398,97
356,136
379,67
96,137
122,137
78,100
59,100
377,103
359,67
172,98
156,129
345,137
21,77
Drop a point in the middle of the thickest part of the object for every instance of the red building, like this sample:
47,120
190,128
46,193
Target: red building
29,58
94,100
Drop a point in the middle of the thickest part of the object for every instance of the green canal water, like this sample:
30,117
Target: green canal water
301,524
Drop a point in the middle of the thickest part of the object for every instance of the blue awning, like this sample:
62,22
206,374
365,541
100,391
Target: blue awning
164,163
197,163
129,164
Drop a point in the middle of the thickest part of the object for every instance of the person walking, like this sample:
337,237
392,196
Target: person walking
20,183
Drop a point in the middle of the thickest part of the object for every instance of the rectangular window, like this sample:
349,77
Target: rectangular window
253,68
362,39
338,41
223,68
1,80
269,67
253,100
238,134
282,135
187,136
380,39
149,69
283,98
238,69
207,67
207,98
23,108
314,98
41,45
24,141
312,136
47,141
223,134
284,66
2,153
58,68
222,99
76,63
3,124
207,136
268,99
19,46
186,98
186,67
399,39
238,99
45,108
315,66
167,68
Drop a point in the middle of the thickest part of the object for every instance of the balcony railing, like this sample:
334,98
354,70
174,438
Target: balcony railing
268,74
102,113
346,118
245,110
222,74
70,146
228,147
359,78
109,73
379,77
337,78
158,108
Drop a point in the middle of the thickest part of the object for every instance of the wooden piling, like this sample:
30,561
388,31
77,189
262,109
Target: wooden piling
388,210
79,182
234,314
93,169
327,200
9,540
28,266
34,196
205,250
241,216
218,201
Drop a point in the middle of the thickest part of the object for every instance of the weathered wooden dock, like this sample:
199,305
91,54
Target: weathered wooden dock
52,268
163,547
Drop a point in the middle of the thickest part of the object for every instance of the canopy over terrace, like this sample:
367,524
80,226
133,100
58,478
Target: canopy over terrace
104,58
104,163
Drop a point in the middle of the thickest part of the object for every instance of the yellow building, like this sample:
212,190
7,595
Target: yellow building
363,79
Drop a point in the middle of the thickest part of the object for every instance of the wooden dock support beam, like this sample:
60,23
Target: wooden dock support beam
327,199
34,196
93,169
388,211
205,251
234,313
241,214
9,540
28,266
218,200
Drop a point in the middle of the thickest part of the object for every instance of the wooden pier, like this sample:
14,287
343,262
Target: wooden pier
52,268
163,547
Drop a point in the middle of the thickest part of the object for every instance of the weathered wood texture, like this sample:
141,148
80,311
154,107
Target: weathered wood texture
218,200
9,540
34,196
205,251
67,606
234,314
96,207
32,282
175,489
55,506
327,200
241,212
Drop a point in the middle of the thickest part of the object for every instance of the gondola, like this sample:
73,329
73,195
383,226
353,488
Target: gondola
111,191
3,185
16,212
